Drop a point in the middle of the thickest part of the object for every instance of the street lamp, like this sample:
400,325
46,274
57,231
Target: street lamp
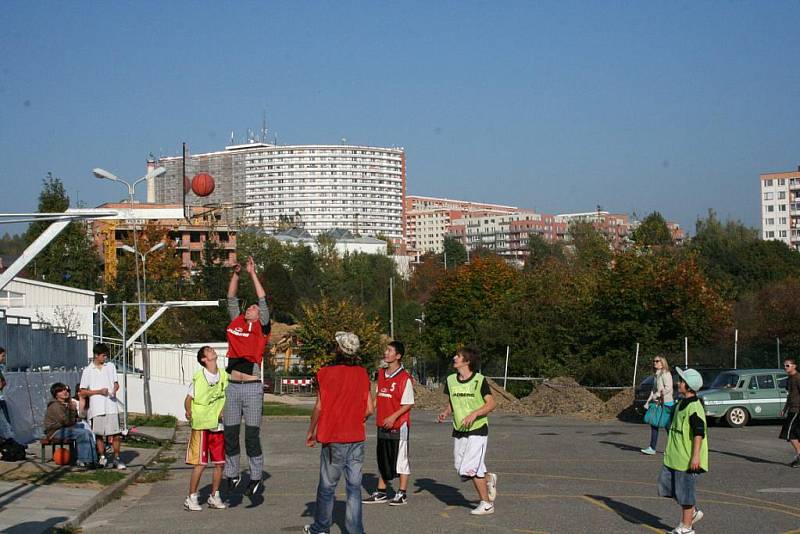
151,174
128,248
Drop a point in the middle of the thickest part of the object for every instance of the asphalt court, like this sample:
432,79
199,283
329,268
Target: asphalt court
555,475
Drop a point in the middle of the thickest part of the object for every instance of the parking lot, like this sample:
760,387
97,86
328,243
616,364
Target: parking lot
555,475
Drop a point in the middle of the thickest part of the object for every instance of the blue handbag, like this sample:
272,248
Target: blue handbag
658,415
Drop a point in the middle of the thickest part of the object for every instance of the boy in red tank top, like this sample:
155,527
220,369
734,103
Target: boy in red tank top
394,400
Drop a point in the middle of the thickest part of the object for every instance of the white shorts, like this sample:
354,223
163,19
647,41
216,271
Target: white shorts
469,454
106,425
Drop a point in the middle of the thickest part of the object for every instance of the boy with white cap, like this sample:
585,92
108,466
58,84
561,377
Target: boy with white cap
686,455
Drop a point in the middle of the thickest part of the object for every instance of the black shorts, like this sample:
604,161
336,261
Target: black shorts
791,427
393,454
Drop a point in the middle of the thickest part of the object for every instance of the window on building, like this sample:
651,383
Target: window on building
781,195
770,208
767,183
768,196
782,181
782,233
770,235
769,222
782,207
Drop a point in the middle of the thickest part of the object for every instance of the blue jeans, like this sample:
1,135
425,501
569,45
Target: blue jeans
83,437
334,459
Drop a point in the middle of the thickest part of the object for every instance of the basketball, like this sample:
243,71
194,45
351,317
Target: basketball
61,456
202,184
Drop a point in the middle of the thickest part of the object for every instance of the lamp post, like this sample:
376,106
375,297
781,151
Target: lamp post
105,175
143,257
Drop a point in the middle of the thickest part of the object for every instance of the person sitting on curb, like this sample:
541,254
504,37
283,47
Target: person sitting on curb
61,422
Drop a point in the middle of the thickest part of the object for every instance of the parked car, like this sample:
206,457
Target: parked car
739,395
643,390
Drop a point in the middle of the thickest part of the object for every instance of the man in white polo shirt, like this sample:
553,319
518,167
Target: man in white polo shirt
99,382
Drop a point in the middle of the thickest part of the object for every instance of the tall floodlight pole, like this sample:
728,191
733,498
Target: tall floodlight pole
105,175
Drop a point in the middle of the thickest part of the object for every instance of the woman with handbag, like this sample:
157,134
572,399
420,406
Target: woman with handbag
660,403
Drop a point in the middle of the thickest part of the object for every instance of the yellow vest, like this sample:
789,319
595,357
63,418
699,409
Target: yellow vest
208,400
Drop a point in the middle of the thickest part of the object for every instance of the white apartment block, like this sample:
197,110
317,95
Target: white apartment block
780,207
316,187
429,220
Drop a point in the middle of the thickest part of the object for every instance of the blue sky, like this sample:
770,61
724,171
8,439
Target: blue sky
556,106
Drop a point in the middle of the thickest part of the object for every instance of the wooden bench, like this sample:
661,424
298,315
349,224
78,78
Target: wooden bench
58,442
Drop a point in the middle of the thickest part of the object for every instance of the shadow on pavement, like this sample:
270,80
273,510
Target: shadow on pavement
339,511
631,514
35,526
446,494
754,459
237,497
621,446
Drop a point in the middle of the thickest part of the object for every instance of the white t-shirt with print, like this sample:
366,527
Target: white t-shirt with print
94,377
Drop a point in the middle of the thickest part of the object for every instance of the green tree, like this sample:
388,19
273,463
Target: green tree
320,322
540,250
591,249
455,253
71,258
653,232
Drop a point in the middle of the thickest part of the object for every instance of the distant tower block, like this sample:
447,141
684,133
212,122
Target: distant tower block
202,184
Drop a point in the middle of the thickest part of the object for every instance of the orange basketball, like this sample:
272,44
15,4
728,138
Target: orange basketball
61,456
202,184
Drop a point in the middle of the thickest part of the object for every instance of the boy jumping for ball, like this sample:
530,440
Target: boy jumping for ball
470,402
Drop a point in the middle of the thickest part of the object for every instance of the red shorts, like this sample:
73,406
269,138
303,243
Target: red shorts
206,447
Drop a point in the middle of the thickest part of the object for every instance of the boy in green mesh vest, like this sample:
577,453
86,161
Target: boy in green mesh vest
204,403
686,455
470,401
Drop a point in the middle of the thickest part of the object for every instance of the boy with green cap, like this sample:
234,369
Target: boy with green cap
686,454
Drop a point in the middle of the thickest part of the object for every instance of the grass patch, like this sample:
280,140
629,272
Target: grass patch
164,421
157,471
104,477
277,408
142,444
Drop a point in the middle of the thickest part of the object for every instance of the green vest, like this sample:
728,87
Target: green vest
679,443
465,398
208,400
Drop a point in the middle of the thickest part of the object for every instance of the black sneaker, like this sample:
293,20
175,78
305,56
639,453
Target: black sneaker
231,483
399,499
796,462
378,496
253,487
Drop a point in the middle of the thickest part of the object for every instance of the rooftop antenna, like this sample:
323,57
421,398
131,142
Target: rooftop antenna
264,126
232,138
344,140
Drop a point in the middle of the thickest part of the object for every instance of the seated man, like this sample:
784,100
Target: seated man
61,422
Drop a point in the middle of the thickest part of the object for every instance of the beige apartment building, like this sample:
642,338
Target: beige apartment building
780,207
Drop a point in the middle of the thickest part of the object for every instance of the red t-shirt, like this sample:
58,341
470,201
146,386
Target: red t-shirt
390,395
246,340
343,394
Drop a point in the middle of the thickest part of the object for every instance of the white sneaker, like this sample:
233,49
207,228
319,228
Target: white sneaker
697,515
307,530
682,529
484,508
215,501
191,503
491,485
119,465
649,451
103,461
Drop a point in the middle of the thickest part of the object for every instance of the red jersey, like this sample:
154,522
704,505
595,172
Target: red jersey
246,340
343,394
390,395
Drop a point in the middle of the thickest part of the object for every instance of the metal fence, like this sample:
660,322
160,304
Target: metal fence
27,395
36,346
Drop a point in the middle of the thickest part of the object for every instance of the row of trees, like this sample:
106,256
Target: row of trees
576,309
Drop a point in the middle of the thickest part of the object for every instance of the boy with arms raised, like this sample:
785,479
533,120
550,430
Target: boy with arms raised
394,400
686,454
470,402
204,403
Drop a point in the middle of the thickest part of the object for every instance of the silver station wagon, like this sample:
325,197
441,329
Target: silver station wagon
738,395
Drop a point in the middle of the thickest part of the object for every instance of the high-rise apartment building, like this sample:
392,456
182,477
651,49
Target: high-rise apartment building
315,187
780,207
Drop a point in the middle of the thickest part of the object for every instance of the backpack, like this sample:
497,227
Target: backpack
11,451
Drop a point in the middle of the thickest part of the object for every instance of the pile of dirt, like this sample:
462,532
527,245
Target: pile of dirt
559,396
426,398
504,399
620,406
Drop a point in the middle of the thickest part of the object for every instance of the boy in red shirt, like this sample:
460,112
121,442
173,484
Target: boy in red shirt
394,400
337,422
